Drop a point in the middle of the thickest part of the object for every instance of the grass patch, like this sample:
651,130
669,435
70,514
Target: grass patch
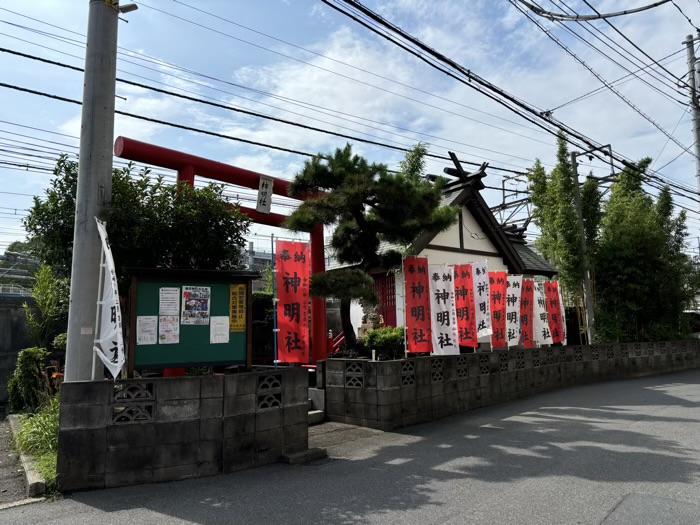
38,437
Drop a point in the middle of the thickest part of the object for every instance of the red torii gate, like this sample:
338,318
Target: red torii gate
187,166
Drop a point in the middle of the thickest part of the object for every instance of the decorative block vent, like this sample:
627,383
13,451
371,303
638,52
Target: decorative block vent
269,391
408,373
624,352
269,401
122,415
462,369
578,354
520,365
594,354
354,375
133,392
132,403
503,360
662,348
436,367
484,368
610,351
550,356
271,382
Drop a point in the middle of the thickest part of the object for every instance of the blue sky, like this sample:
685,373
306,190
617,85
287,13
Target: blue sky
407,101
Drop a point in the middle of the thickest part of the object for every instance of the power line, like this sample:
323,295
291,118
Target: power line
598,76
563,17
252,113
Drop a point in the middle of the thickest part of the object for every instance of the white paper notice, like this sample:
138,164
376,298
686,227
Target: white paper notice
146,328
169,301
219,329
169,329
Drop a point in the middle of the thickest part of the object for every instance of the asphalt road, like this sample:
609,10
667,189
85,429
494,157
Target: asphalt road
618,453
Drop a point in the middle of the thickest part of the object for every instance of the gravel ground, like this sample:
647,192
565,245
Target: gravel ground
11,476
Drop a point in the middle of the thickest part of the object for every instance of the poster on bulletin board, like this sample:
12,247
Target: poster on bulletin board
237,315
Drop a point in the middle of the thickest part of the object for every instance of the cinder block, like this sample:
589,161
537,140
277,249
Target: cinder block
298,433
355,410
388,412
86,393
295,395
177,410
388,382
269,439
212,386
240,384
335,366
388,396
81,452
335,393
267,419
236,463
236,426
388,368
210,451
128,477
438,389
241,404
174,473
335,408
371,412
209,468
177,432
370,397
354,395
370,369
238,447
408,393
172,388
121,459
131,436
424,391
408,408
175,454
266,457
84,416
295,415
210,429
211,408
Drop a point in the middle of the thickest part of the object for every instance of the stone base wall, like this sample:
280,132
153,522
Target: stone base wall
15,337
151,430
392,394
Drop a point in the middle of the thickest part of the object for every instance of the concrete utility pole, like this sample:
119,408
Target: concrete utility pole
94,184
587,295
693,74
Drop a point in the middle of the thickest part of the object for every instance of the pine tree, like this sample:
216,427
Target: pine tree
367,205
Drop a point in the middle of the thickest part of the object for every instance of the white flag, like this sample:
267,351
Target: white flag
543,336
109,342
482,298
443,312
515,285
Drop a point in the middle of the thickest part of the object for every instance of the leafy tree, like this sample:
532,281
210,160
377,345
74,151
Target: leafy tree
367,205
554,213
150,224
52,296
644,280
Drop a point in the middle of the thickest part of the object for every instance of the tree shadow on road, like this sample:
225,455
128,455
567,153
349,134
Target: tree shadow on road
615,432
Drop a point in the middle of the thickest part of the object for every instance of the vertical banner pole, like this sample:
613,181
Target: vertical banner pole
98,310
274,295
405,316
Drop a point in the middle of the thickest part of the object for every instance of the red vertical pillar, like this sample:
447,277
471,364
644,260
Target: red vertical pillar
186,175
319,333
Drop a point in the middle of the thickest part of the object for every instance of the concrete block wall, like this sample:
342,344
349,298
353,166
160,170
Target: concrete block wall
150,430
392,394
15,337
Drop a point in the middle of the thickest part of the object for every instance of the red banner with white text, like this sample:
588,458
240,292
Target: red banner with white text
527,314
556,327
417,293
293,265
498,282
465,305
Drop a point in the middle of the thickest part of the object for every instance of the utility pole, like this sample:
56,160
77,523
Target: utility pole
94,193
693,72
587,295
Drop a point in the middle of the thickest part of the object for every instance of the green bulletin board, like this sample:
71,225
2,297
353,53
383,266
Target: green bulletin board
194,347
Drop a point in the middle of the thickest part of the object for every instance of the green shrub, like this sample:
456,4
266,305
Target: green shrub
38,436
60,342
388,342
28,387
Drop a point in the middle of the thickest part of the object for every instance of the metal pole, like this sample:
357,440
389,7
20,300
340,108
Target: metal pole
587,296
94,184
693,71
98,317
275,330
